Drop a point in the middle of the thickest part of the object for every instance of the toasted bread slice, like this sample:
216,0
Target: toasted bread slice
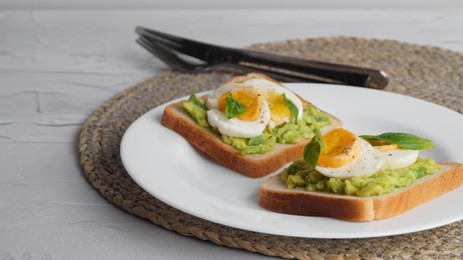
275,196
252,165
177,118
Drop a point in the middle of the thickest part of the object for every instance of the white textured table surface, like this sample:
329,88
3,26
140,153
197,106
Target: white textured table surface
57,67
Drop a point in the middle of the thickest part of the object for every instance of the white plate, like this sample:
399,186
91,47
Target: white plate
172,170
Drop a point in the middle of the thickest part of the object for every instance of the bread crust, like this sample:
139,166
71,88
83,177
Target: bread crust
176,118
274,196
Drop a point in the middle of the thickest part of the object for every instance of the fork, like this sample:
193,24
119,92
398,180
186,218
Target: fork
192,56
177,63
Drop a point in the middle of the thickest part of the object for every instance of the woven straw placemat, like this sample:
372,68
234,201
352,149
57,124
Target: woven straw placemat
425,72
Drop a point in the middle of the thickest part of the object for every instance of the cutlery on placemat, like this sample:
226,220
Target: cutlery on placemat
192,56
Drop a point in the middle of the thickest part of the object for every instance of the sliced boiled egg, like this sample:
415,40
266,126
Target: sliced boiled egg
273,94
396,158
264,103
344,155
249,97
249,124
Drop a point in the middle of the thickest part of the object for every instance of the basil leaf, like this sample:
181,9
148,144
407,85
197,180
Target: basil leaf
312,149
293,108
233,107
402,140
197,101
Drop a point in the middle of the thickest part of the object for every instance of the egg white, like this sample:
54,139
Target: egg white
369,161
396,159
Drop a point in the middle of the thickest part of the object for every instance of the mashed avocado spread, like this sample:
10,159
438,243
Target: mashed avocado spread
288,133
300,174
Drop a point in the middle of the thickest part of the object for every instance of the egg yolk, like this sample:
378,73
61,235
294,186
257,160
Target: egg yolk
387,147
247,96
276,104
340,147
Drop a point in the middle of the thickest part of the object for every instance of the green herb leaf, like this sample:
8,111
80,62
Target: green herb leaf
197,101
402,140
293,108
233,107
312,149
296,167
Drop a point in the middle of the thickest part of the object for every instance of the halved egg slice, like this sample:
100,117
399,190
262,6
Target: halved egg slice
340,147
249,124
273,94
247,96
396,158
344,155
